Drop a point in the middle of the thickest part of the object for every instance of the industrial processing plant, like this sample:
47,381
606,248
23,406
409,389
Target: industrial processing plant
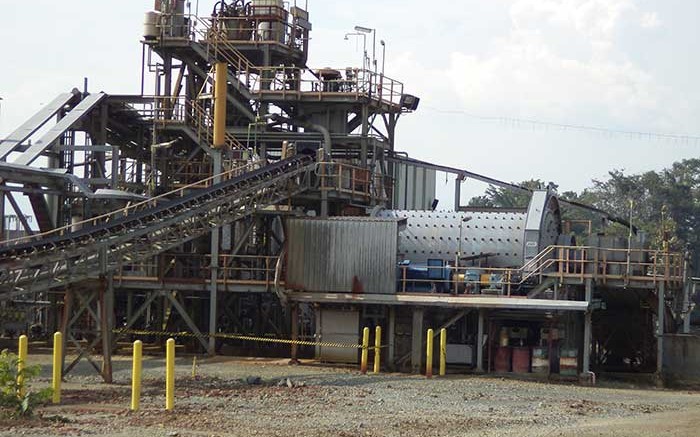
256,206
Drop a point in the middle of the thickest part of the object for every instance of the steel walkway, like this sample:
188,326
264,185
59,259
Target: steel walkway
138,232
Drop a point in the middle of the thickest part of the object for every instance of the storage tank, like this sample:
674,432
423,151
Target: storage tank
273,9
150,25
500,238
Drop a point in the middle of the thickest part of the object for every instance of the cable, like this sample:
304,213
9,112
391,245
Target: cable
686,139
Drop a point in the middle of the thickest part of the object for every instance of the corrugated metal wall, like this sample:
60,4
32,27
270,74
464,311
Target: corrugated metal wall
342,255
414,187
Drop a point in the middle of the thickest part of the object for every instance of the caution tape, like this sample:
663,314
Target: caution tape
238,337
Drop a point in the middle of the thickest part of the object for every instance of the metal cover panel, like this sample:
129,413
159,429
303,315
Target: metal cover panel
32,125
43,143
342,255
339,327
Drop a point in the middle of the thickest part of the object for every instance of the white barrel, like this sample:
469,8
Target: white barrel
150,25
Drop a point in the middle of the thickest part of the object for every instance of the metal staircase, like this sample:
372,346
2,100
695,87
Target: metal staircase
138,232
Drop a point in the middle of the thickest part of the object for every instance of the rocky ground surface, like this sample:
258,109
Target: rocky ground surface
270,398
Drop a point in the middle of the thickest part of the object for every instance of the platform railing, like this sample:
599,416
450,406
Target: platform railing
257,270
352,180
563,263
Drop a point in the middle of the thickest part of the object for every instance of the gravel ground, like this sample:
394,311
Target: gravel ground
225,398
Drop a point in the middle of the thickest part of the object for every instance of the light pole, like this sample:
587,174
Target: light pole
383,54
374,42
365,59
459,251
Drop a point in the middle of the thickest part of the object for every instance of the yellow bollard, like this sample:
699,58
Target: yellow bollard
21,363
429,355
136,375
443,351
57,367
194,366
169,374
377,348
365,350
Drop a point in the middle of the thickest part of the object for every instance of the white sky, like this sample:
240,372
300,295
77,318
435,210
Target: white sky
621,64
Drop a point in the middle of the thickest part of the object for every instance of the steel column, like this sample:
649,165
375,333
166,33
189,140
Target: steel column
480,341
417,340
660,320
391,333
587,330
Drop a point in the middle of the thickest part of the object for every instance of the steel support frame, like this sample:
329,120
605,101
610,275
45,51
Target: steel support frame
169,229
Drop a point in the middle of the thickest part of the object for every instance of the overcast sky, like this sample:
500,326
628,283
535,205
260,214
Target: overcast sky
627,65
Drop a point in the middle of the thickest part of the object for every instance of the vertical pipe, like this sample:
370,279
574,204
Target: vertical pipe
57,367
377,348
170,374
365,350
443,351
21,363
220,85
429,354
136,376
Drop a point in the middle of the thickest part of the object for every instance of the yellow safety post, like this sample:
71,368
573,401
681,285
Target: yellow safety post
194,366
429,355
377,348
169,374
443,351
136,375
57,367
21,363
220,91
365,350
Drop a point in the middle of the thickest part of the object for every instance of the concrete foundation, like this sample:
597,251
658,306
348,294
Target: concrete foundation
681,360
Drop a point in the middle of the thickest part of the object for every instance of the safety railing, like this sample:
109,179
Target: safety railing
618,266
326,83
231,270
218,33
352,180
269,28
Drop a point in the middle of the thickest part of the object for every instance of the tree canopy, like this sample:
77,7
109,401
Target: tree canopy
665,204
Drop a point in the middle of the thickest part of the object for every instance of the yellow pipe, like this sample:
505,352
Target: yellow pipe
21,363
57,364
169,374
443,351
220,91
365,351
377,348
429,355
136,375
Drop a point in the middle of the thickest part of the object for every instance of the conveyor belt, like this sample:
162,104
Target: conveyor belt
61,257
19,136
